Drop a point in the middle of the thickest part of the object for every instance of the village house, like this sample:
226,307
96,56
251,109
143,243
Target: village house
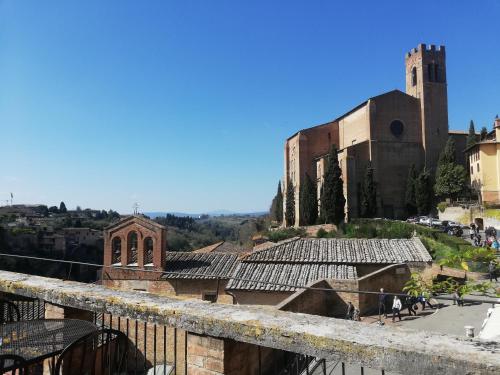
484,166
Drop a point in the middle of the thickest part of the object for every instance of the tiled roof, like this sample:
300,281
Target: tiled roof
187,265
261,276
333,250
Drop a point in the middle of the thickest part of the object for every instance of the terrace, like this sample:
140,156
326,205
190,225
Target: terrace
187,336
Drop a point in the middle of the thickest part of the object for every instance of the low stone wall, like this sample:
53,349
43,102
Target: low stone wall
369,345
319,302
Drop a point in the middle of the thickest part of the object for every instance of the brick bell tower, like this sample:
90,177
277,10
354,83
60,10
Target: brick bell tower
426,80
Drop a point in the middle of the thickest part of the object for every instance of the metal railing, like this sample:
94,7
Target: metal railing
149,346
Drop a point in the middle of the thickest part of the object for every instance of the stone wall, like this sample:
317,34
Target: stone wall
256,297
369,345
188,288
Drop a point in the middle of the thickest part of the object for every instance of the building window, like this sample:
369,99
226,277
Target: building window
436,72
478,170
414,76
471,169
430,72
397,128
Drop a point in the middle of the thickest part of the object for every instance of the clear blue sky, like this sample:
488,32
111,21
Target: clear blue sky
185,105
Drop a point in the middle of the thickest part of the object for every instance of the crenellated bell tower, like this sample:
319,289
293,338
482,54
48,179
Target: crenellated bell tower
426,80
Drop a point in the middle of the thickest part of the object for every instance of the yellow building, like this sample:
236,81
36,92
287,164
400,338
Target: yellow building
484,161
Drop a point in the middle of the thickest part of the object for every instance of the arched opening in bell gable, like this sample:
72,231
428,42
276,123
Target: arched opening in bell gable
132,248
148,251
116,250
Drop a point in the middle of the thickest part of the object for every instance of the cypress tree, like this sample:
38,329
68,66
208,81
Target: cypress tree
450,177
308,202
276,210
448,154
410,202
423,192
290,205
368,194
471,138
62,208
484,133
332,194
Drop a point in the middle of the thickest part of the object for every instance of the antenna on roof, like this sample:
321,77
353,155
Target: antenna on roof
136,208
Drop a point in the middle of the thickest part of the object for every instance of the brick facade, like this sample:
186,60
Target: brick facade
366,134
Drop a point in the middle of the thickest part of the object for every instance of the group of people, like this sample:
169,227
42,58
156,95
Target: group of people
490,237
410,303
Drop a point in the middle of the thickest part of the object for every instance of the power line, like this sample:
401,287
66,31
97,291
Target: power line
71,262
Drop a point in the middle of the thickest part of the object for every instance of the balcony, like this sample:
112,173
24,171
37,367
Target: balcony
186,336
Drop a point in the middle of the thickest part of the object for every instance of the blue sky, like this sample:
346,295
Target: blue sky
185,105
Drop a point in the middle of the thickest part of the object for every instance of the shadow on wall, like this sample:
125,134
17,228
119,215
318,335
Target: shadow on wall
334,304
321,302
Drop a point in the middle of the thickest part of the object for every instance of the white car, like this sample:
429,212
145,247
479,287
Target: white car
435,222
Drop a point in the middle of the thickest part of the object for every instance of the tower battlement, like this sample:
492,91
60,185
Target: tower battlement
426,48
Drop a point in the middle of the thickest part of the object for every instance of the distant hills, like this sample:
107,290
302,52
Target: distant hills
214,213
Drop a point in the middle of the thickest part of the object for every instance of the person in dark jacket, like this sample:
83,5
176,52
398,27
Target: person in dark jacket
492,271
409,302
350,311
381,303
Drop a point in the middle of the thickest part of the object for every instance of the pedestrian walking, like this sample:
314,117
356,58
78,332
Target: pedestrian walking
424,301
409,302
396,308
381,303
350,311
472,230
492,271
457,298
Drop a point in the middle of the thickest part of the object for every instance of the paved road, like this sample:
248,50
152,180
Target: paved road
450,319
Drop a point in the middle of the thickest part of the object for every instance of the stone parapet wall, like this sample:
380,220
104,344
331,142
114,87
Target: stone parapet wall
371,346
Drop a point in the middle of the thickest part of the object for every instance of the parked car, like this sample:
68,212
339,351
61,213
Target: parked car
424,220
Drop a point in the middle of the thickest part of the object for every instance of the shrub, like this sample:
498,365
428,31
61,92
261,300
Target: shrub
321,233
395,229
283,234
442,206
360,230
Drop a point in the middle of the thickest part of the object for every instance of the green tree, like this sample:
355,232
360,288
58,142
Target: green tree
410,201
308,202
450,177
484,133
471,138
368,194
423,192
448,153
53,210
62,208
277,206
290,204
44,210
332,194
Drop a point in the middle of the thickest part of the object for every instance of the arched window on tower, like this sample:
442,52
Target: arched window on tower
148,251
430,72
414,76
132,248
116,250
436,73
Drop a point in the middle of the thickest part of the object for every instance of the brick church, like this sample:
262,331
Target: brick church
392,130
